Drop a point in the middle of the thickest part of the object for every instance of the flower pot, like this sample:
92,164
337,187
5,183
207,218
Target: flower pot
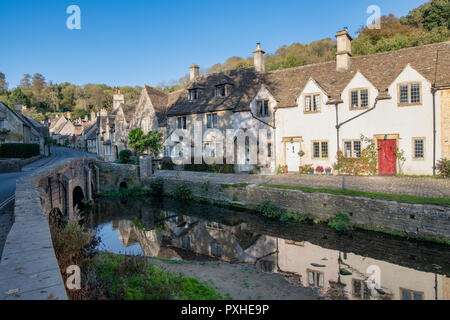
285,169
311,172
300,170
328,173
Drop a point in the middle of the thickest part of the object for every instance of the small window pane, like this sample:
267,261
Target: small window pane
316,103
324,149
308,103
320,280
357,149
418,296
364,98
316,151
348,149
415,93
406,295
357,289
418,148
260,107
208,121
214,120
404,94
355,102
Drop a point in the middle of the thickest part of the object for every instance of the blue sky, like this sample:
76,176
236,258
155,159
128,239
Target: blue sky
139,42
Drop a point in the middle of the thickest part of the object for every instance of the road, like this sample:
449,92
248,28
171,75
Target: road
8,180
8,186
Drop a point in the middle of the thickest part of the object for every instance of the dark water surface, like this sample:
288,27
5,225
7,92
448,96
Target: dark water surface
358,265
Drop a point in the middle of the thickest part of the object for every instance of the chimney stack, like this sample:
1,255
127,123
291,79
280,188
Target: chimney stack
118,99
344,50
194,72
18,107
258,58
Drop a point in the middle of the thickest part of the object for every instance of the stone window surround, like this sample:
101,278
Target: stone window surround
312,96
359,90
316,282
414,148
352,141
320,142
264,106
409,84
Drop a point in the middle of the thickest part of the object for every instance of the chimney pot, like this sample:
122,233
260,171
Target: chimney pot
258,58
194,72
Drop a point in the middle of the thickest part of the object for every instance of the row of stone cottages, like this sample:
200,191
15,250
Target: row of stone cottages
399,99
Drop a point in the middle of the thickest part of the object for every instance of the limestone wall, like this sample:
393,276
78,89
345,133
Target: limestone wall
426,220
111,175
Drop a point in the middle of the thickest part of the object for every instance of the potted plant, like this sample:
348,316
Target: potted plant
328,171
319,169
311,170
285,169
300,170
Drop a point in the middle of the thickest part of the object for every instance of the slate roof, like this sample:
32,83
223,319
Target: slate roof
431,61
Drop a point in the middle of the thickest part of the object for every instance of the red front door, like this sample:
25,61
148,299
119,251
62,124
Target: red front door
386,157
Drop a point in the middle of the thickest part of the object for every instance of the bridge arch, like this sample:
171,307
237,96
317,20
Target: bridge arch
123,185
77,197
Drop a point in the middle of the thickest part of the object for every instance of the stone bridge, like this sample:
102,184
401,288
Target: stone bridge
65,189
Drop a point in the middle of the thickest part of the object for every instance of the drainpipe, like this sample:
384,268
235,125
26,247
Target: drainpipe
433,92
338,126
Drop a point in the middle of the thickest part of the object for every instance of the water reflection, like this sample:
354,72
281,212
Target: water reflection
309,255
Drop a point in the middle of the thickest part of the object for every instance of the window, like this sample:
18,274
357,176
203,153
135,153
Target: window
269,150
212,121
320,149
312,103
352,149
409,94
359,98
262,108
221,91
193,95
315,279
411,295
2,124
419,148
216,249
182,123
360,290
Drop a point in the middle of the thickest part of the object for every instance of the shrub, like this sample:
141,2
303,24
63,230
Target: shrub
340,222
125,156
270,210
156,187
19,150
183,192
443,167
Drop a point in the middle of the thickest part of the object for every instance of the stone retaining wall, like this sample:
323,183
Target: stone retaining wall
112,175
427,220
16,165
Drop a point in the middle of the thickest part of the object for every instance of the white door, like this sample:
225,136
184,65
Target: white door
292,157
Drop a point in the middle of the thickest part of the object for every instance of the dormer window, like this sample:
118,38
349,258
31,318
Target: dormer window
262,108
312,103
409,94
221,91
193,94
359,98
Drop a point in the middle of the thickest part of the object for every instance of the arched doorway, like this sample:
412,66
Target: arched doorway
123,185
78,197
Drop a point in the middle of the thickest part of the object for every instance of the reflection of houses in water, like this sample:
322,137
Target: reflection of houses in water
324,268
169,235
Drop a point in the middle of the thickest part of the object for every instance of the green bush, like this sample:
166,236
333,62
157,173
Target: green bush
124,156
443,167
270,210
19,150
156,187
183,192
340,222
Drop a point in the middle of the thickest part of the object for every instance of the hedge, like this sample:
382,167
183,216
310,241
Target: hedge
19,150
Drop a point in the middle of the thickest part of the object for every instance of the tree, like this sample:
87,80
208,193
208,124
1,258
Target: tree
3,84
18,96
38,84
25,83
431,15
150,141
